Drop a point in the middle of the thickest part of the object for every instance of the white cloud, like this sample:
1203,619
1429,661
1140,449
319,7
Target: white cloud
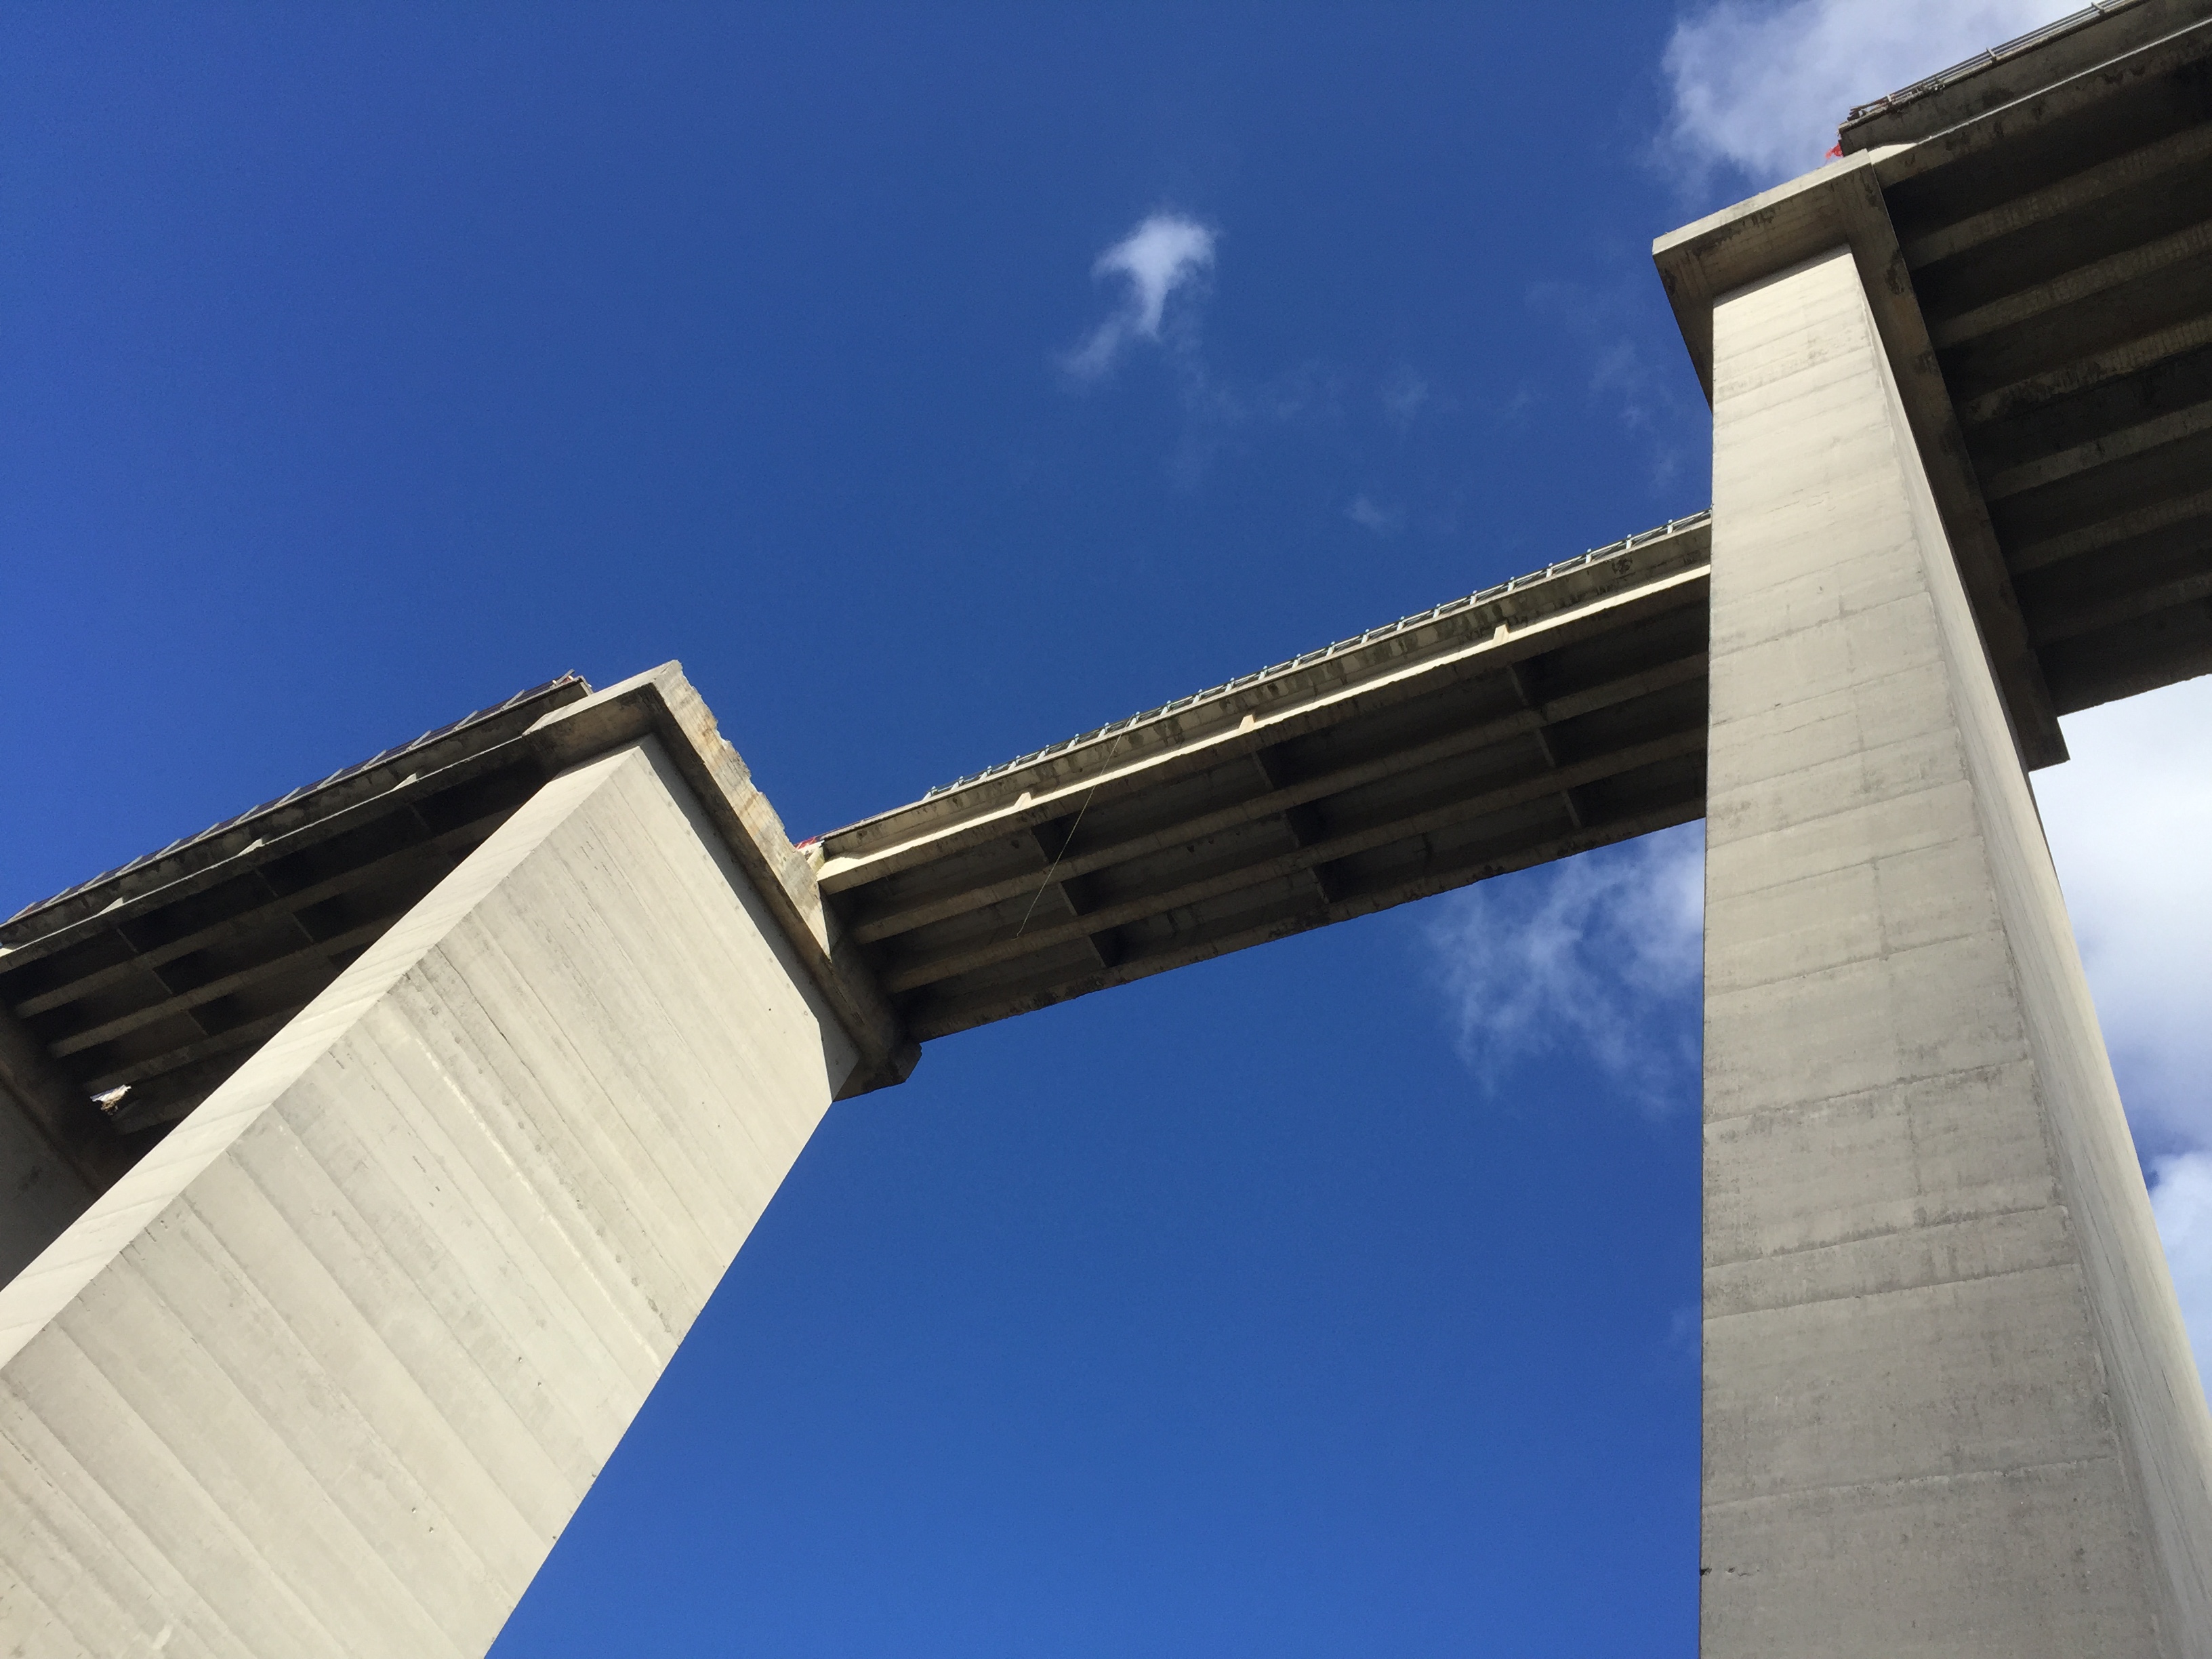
1611,325
1163,254
2129,819
1383,521
1405,395
1578,954
1589,956
2181,1201
1758,89
1594,954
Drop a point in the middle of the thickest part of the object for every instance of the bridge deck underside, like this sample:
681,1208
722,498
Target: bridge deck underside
1564,715
159,979
2060,252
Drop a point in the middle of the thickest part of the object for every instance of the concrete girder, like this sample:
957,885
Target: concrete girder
2155,165
1489,735
2065,63
166,975
1278,797
2085,372
1325,850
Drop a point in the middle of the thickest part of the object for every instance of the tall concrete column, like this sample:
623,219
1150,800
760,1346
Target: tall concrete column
1949,1407
329,1370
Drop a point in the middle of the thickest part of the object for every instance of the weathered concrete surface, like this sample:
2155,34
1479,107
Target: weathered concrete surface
1948,1404
328,1372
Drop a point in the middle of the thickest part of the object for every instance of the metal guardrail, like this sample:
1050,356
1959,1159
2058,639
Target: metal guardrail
1420,619
1982,60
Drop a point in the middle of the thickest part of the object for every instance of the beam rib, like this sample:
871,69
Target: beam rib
2137,440
934,1019
1056,884
915,975
2085,373
445,850
1517,673
2106,532
1682,672
2129,606
311,963
2084,189
238,1037
2191,244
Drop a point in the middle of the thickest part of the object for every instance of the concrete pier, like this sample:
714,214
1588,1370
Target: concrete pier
329,1370
1949,1408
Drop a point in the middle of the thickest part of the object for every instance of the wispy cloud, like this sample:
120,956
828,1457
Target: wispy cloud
1759,88
1166,253
2181,1201
1383,521
2128,818
1685,1329
1649,396
1157,276
1600,956
1405,393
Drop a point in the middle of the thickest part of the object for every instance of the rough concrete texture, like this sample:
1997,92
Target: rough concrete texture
1949,1408
330,1370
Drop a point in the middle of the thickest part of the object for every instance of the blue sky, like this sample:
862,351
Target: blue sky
360,367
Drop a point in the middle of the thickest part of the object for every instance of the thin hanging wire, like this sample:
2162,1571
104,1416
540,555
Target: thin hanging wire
1066,841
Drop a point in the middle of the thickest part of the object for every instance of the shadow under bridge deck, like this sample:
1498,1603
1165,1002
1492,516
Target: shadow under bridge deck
1558,712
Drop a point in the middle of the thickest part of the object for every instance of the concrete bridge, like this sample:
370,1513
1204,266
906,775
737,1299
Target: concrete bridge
372,1153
